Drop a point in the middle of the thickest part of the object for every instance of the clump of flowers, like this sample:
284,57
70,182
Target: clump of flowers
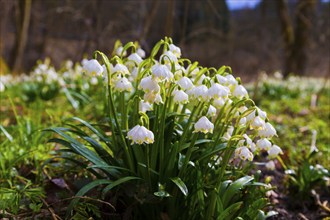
172,121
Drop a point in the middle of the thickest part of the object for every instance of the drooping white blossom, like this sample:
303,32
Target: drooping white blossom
268,131
93,67
180,97
149,84
274,151
204,125
144,106
161,72
140,134
243,153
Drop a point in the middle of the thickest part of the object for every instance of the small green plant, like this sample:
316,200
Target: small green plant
179,140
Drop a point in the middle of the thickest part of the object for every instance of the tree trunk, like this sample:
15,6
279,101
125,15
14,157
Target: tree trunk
305,13
22,36
296,41
169,18
287,34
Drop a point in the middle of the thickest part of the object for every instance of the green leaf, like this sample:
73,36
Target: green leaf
182,186
94,130
117,182
200,141
230,211
234,188
83,191
9,137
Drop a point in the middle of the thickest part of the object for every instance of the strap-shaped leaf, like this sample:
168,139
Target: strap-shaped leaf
94,130
9,137
83,191
230,211
116,183
182,186
234,188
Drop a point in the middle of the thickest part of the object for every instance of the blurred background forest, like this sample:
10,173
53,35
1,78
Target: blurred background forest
271,35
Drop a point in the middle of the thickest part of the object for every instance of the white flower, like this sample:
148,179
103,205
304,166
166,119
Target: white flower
123,84
120,68
134,57
148,84
218,103
212,111
258,123
242,121
257,111
120,50
161,72
140,134
185,83
221,79
93,67
204,125
153,97
94,81
240,91
270,165
231,80
175,50
274,151
268,131
244,153
199,92
228,133
141,52
217,91
144,106
169,57
264,144
2,87
180,97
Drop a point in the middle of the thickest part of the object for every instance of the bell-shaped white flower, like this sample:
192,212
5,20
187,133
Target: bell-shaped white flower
141,52
221,79
93,67
120,69
180,97
267,132
175,50
153,97
270,165
144,106
274,151
169,57
123,84
185,83
2,87
199,93
258,123
149,84
140,134
231,80
120,50
264,144
218,103
94,81
228,133
242,121
161,72
244,153
212,111
240,91
134,57
204,125
217,91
